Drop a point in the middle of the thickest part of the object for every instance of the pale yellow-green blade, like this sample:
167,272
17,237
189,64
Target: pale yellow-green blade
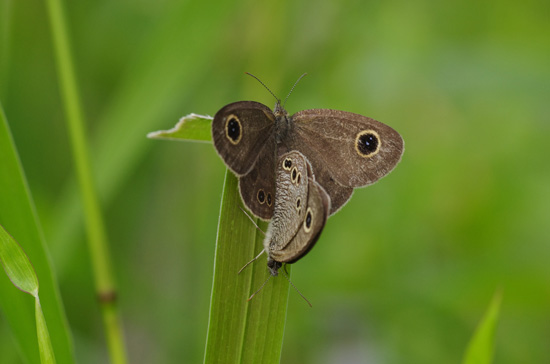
481,347
16,264
192,127
44,343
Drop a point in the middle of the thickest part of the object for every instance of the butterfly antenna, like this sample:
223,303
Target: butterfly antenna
292,89
284,272
253,294
247,264
263,84
250,217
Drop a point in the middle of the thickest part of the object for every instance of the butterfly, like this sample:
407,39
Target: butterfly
345,150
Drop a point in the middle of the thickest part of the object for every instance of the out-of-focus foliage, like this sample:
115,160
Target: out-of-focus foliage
405,271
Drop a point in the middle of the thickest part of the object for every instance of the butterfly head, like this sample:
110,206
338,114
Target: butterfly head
279,110
274,266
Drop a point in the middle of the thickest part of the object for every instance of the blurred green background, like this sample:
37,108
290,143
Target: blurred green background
404,272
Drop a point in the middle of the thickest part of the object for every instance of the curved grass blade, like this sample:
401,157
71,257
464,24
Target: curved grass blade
481,347
21,273
18,216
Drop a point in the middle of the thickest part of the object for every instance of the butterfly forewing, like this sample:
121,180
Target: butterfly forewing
240,132
355,150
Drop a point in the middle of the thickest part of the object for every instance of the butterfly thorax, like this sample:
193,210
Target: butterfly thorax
282,123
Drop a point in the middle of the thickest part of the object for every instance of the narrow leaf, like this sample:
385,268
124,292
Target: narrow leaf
481,347
192,127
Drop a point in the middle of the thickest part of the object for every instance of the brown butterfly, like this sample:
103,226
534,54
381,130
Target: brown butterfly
346,150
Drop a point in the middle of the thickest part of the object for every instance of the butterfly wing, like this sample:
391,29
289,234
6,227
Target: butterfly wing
300,212
346,150
311,226
243,136
240,131
257,188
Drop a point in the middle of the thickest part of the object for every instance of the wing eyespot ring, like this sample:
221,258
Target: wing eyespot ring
287,164
367,143
308,221
233,129
294,175
261,196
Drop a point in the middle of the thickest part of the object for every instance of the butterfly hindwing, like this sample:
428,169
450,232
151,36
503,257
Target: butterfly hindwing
300,212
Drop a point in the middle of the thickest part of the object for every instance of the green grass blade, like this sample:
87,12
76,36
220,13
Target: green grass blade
481,347
18,216
240,331
20,271
192,127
